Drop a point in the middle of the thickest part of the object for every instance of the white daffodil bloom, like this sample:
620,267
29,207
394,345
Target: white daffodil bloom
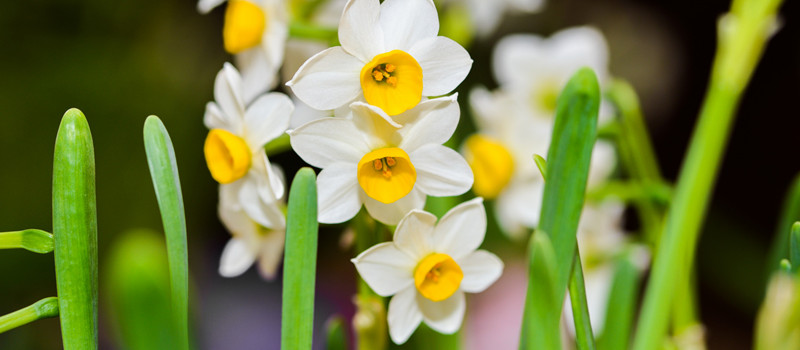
391,57
533,70
429,266
500,156
389,164
234,147
255,31
252,240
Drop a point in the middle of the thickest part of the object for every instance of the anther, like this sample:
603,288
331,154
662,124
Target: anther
377,164
377,75
390,67
392,81
390,161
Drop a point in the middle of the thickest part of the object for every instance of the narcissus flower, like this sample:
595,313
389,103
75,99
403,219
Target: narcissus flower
387,163
234,147
391,57
251,240
429,266
256,32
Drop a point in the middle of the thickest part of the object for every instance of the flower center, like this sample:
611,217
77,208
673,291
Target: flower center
438,276
392,81
491,163
244,26
227,156
386,174
545,97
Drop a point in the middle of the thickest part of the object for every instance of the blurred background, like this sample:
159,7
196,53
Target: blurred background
120,61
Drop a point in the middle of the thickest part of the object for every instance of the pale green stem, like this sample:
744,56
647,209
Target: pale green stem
580,309
45,308
33,240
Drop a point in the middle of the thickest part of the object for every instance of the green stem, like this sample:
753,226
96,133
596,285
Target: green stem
37,241
370,319
743,34
302,30
45,308
580,309
75,232
790,213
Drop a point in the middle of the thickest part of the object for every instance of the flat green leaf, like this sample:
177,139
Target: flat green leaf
540,323
166,182
45,308
621,305
336,338
75,231
33,240
794,246
300,263
584,339
541,164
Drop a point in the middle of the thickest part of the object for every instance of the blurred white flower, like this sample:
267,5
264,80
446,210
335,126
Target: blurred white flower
391,57
387,163
486,15
429,266
234,147
255,31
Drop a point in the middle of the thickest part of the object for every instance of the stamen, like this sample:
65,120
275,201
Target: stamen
377,75
390,161
377,164
390,67
392,81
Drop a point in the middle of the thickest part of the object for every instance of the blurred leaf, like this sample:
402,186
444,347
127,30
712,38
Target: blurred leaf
137,277
621,305
299,269
540,324
75,231
166,182
45,308
794,246
584,338
336,334
33,240
790,213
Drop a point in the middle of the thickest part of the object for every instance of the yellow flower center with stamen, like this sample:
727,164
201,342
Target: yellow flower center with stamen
392,81
244,26
228,157
438,276
545,98
386,174
491,163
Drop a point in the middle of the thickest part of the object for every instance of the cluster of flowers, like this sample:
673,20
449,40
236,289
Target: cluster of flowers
373,115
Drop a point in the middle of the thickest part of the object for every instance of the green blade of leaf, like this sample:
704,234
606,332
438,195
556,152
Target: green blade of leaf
33,240
166,182
137,277
584,338
300,263
621,305
540,323
794,246
790,213
75,231
541,164
45,308
336,334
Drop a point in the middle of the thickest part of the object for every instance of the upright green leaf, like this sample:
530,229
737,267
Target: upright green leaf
336,334
300,263
790,213
584,338
45,308
33,240
75,232
621,305
166,182
794,246
540,323
137,277
574,134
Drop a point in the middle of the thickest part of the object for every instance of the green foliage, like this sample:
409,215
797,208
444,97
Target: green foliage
540,323
300,263
336,338
166,182
45,308
580,308
33,240
75,232
621,305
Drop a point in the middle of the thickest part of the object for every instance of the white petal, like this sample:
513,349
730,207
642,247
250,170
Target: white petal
326,141
405,22
485,15
359,29
392,213
265,214
236,221
404,315
205,6
228,93
258,73
414,232
441,171
481,269
303,113
378,127
267,118
517,55
444,316
271,253
519,206
461,231
271,186
581,46
602,163
386,269
215,119
444,64
236,258
328,80
431,121
338,190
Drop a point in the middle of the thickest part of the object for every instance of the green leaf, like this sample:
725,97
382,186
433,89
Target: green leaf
75,231
300,263
542,304
336,334
166,182
137,277
574,134
45,308
541,164
580,309
790,213
33,240
794,246
621,305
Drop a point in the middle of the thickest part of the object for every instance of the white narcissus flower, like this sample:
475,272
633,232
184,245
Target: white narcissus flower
387,163
234,147
255,31
252,240
391,57
486,15
429,266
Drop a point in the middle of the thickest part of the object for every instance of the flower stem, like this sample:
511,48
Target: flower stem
370,318
45,308
303,30
580,309
33,240
743,34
